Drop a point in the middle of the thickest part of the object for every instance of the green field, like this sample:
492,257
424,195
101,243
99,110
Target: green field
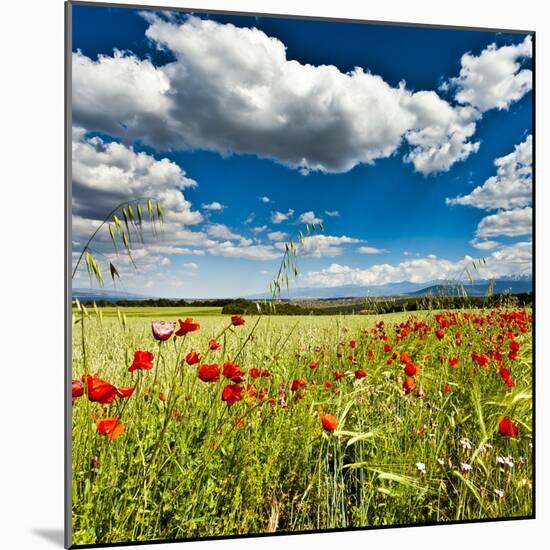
189,465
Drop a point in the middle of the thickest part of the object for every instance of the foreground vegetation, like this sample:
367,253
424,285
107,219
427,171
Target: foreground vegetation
304,422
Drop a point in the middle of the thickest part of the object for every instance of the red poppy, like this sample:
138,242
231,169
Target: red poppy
125,392
297,384
405,357
387,348
446,388
313,364
506,376
110,427
514,346
360,374
100,391
237,320
162,330
409,385
353,343
142,361
338,374
411,370
78,389
187,326
213,345
192,358
233,372
454,362
328,384
440,333
209,373
254,372
329,422
508,428
231,394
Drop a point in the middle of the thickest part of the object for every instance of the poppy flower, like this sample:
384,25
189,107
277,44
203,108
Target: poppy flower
254,372
411,370
209,373
353,344
508,428
453,361
162,330
328,384
125,392
187,326
409,385
233,372
101,391
213,345
77,389
446,388
480,358
405,357
329,422
338,374
506,376
110,427
297,384
514,346
237,320
231,394
142,361
192,358
440,333
387,348
313,364
360,374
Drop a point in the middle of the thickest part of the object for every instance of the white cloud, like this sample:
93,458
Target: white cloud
276,235
309,217
509,223
323,246
191,265
264,199
512,260
279,217
213,206
259,229
106,174
370,250
494,79
484,245
510,188
233,89
247,252
332,213
221,231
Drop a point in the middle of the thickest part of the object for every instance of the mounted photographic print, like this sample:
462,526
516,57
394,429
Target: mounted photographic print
299,274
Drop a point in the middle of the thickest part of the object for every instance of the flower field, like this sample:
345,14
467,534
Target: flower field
222,425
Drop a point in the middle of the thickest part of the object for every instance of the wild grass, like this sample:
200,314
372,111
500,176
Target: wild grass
188,465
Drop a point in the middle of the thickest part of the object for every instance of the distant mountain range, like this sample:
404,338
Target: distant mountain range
513,285
95,294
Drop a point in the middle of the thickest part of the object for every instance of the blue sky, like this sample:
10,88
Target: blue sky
387,172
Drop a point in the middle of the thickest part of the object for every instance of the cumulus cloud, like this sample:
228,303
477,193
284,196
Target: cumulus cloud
108,173
248,252
233,89
512,260
191,265
214,206
265,199
511,187
495,78
509,223
332,213
276,235
280,217
309,217
322,246
370,250
484,244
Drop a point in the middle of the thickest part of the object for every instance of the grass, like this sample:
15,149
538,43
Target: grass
188,465
167,313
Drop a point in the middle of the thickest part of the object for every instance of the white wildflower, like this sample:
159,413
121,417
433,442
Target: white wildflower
465,467
466,445
499,493
421,467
